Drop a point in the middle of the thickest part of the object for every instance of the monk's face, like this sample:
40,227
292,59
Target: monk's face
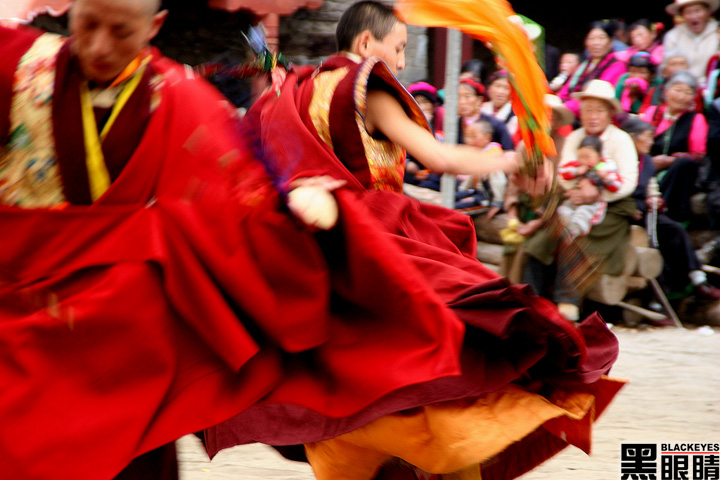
391,49
108,34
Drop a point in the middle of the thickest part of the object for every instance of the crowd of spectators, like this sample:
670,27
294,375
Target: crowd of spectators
642,105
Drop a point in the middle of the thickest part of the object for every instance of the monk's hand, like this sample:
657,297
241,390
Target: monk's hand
537,185
311,201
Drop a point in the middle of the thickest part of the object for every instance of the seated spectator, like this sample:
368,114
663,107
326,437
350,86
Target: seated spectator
711,182
569,63
680,143
472,69
600,64
489,190
712,176
426,97
673,61
470,99
499,105
682,268
634,85
712,74
590,166
645,36
696,36
547,268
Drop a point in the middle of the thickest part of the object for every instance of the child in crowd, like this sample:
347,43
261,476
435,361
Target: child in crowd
484,191
569,62
633,86
590,166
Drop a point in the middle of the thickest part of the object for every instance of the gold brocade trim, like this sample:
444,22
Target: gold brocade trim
386,160
324,87
29,175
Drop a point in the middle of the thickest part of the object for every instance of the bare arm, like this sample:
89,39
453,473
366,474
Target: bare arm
386,115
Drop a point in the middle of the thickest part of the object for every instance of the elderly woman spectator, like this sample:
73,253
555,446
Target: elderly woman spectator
682,267
607,240
600,64
644,37
673,61
499,105
680,143
696,35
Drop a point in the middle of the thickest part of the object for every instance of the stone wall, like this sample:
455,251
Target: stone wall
308,37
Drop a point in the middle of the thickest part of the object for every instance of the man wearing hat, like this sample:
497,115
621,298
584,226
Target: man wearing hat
598,106
696,36
607,241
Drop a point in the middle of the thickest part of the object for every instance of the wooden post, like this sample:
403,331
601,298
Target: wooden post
450,123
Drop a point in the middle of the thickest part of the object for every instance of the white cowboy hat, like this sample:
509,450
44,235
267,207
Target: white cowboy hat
602,90
675,8
566,115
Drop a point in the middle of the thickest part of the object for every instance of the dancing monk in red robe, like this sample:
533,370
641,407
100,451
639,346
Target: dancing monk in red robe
531,381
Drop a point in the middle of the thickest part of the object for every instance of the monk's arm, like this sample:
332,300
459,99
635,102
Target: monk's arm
386,115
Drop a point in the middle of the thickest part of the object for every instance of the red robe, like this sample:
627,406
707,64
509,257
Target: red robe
511,336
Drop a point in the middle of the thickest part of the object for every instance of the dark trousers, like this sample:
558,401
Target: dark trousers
677,252
550,281
677,186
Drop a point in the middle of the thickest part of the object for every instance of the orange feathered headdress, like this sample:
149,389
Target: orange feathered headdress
491,21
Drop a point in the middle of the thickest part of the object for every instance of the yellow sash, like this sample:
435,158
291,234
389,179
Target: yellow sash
98,174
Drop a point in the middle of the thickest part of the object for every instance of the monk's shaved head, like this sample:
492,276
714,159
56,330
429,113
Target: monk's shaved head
107,35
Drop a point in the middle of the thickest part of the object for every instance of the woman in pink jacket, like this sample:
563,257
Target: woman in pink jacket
600,63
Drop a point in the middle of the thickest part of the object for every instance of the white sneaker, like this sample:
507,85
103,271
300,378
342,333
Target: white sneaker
655,306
